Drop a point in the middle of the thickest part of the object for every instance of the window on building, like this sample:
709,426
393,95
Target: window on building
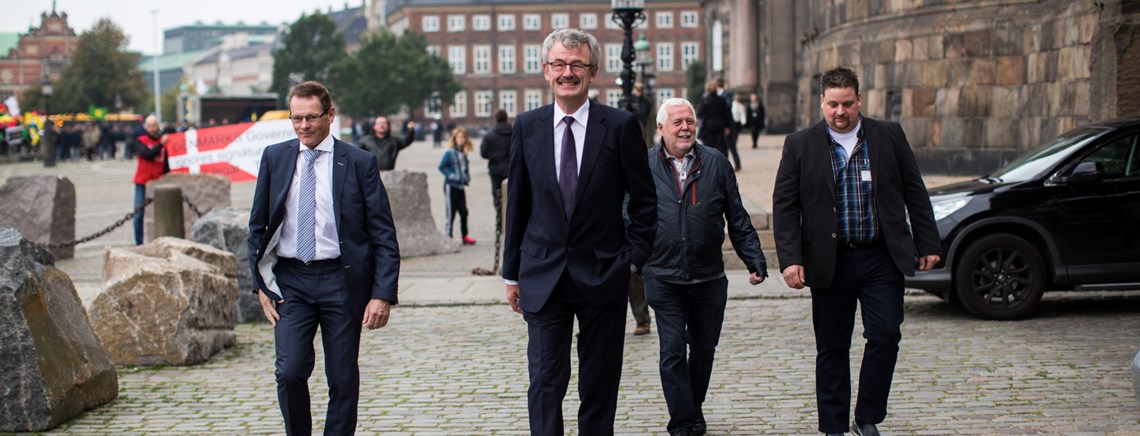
665,56
434,50
610,23
532,22
532,59
482,59
664,20
458,108
664,93
430,23
481,23
483,103
613,58
507,22
457,58
690,52
588,21
509,101
399,27
506,59
532,99
559,21
456,23
613,97
717,46
432,107
689,18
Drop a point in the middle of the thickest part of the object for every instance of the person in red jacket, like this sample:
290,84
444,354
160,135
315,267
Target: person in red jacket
152,165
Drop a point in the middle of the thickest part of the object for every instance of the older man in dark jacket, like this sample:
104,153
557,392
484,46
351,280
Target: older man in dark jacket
385,146
684,276
496,148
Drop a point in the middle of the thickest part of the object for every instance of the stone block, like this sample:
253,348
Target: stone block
946,102
1074,63
903,50
1006,101
915,130
1009,41
42,207
920,49
886,50
976,102
166,302
204,191
52,365
934,74
227,229
960,71
935,47
954,45
1001,133
962,132
922,102
1011,70
1088,25
983,71
411,211
978,43
934,133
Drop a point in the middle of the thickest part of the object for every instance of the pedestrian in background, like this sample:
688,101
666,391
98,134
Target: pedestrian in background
755,117
568,252
436,134
716,120
851,217
685,283
456,177
496,148
384,146
323,252
152,164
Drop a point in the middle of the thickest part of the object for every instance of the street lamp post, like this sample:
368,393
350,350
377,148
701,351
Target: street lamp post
629,14
47,137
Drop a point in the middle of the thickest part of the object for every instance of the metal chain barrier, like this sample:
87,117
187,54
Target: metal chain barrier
124,220
100,233
498,237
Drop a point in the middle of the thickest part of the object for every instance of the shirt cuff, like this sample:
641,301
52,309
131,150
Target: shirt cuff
511,282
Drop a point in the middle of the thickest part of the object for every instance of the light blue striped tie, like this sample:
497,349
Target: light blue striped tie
307,209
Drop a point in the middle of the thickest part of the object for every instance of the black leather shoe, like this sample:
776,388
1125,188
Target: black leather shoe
865,429
683,431
699,429
835,434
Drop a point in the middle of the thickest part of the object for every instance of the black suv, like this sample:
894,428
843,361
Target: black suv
1064,216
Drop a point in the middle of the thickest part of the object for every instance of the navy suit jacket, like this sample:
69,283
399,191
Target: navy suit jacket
804,201
594,245
365,230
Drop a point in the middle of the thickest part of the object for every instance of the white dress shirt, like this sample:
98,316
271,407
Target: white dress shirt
579,128
328,245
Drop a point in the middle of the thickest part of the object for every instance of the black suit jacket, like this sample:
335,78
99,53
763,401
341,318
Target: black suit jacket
594,245
367,235
804,202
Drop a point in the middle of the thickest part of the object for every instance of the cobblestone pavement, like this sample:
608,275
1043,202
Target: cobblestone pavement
462,370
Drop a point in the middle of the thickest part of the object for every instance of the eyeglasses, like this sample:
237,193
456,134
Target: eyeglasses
297,119
576,67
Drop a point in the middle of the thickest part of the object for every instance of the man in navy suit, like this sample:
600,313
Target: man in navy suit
324,253
568,251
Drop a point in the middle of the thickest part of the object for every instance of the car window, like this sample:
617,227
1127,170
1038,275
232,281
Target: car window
1043,158
1118,158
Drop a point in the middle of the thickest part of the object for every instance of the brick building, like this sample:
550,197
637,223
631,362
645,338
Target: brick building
495,49
973,83
42,52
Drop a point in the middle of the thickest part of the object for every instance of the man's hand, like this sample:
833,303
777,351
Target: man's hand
513,298
926,263
794,276
755,279
268,309
376,314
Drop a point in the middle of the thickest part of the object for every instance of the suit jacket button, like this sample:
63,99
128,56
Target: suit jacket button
833,236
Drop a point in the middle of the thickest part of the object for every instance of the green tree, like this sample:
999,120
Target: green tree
695,82
309,50
100,70
391,72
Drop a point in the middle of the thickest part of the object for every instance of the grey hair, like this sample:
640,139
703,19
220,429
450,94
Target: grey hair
663,113
572,39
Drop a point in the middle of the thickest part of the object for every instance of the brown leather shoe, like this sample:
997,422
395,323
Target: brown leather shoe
641,329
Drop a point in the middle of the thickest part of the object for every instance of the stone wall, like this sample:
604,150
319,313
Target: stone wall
975,83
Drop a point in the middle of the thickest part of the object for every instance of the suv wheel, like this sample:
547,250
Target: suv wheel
1000,276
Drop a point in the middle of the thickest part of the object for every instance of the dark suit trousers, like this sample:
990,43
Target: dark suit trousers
600,342
866,275
317,296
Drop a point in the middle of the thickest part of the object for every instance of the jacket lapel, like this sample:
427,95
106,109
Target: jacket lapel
543,153
871,143
595,131
820,147
285,166
340,167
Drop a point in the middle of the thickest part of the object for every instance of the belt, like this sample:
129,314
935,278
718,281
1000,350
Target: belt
323,263
861,244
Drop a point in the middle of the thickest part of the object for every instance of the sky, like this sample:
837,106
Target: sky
136,20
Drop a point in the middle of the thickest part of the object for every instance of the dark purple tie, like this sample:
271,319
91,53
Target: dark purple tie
568,171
